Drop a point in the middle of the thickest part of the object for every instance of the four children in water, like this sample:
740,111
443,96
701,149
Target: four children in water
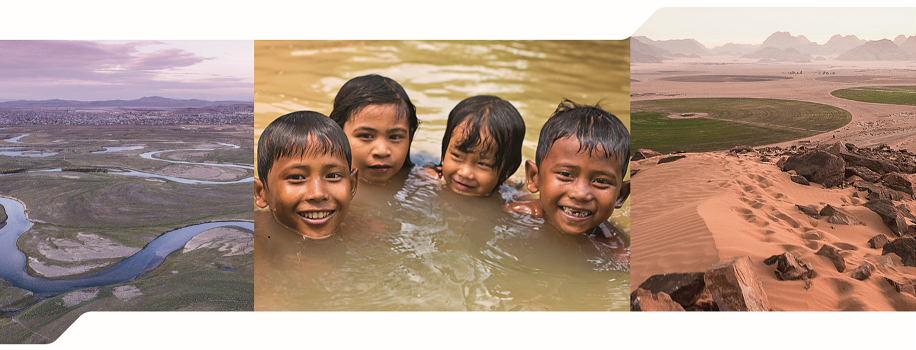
307,174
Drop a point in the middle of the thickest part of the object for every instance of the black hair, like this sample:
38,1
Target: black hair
591,126
300,133
500,120
374,89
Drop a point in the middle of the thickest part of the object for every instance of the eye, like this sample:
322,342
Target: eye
457,155
485,165
295,177
364,136
564,174
603,183
334,177
395,137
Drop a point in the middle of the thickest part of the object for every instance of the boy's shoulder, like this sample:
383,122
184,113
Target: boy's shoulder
525,207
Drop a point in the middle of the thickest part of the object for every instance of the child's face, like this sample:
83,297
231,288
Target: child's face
308,194
379,140
578,190
473,173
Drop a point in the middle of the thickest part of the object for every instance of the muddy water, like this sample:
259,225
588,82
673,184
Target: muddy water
412,246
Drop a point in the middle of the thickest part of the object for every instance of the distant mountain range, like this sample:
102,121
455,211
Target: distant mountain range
145,102
780,46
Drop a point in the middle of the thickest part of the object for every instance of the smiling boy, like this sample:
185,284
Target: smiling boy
305,174
579,167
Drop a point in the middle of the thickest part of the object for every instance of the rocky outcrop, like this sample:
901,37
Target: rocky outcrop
643,153
809,210
734,286
863,271
893,216
878,242
818,167
864,173
683,288
839,216
903,284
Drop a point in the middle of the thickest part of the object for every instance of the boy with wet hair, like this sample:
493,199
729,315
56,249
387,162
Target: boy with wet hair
581,159
305,174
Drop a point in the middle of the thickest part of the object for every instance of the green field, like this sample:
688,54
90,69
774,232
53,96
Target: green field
895,95
729,122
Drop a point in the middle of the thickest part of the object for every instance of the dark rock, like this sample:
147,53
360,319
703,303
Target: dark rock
643,300
643,153
878,242
809,210
877,165
684,288
863,172
670,159
834,256
818,166
893,217
839,216
903,284
863,271
799,180
742,149
907,167
904,247
900,183
851,147
734,286
789,268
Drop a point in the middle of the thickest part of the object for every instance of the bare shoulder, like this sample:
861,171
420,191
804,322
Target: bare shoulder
429,173
530,207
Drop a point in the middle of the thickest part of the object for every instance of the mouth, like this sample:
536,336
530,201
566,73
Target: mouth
381,169
462,186
316,217
575,212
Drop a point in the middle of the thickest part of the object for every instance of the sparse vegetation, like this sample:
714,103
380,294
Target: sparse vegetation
729,122
897,95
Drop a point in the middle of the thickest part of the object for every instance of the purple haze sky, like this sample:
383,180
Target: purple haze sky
126,70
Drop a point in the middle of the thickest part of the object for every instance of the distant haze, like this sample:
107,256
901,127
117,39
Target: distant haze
718,26
126,70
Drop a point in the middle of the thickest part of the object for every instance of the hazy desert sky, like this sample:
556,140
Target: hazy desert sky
717,26
108,70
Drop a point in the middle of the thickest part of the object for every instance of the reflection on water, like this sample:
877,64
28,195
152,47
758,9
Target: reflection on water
118,149
411,246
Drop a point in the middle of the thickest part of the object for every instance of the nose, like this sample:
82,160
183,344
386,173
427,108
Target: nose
580,191
465,172
381,149
315,191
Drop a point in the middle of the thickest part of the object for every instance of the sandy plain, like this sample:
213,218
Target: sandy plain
707,207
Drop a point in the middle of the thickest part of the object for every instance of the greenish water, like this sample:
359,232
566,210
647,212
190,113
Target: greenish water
410,245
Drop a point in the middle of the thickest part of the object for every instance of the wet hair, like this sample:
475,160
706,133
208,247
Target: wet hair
302,133
374,89
591,126
503,125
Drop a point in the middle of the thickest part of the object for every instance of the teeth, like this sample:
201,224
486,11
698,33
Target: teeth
316,214
577,213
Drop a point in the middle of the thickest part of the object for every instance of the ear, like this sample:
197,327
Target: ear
624,194
260,193
531,176
354,180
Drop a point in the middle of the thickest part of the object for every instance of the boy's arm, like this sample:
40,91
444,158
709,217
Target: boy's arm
432,173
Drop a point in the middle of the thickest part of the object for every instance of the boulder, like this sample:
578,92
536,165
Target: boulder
863,271
904,247
788,267
683,288
809,210
878,242
863,172
839,216
801,180
817,166
877,165
834,256
643,153
893,217
643,300
704,303
833,148
878,192
734,286
670,159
